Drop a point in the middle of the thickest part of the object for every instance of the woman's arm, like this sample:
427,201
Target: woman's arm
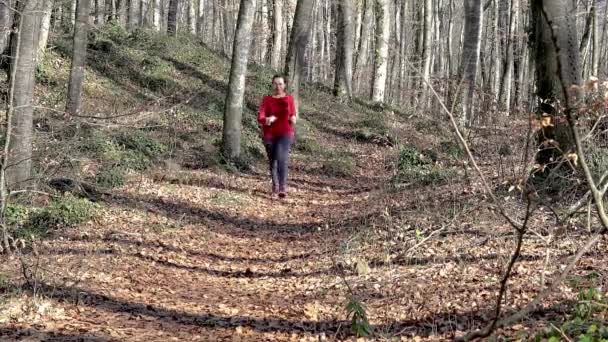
262,112
293,114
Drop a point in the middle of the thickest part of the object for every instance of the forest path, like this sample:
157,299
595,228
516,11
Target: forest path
209,255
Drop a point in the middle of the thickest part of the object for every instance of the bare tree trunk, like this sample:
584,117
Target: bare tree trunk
344,54
172,17
381,56
23,66
99,12
297,47
45,26
428,41
236,89
402,51
597,19
156,14
110,11
470,56
362,48
122,12
79,58
277,31
191,17
496,51
133,14
549,18
507,76
200,17
6,22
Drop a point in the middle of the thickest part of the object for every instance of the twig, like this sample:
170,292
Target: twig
503,283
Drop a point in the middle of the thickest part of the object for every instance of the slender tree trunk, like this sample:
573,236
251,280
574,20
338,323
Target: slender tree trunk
6,22
110,10
297,46
381,56
172,17
23,66
363,46
133,14
344,54
200,17
99,12
277,31
428,41
548,83
122,12
45,26
402,51
470,55
496,52
597,19
156,14
236,89
79,57
191,17
507,76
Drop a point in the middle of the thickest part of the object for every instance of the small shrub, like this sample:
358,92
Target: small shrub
307,145
452,149
46,73
417,166
358,317
586,322
112,177
15,214
141,143
66,211
409,157
338,165
376,122
132,160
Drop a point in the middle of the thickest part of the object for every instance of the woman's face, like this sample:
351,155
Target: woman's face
278,85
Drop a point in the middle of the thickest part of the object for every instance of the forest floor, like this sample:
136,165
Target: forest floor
205,254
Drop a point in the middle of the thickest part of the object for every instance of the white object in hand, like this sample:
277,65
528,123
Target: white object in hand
270,120
292,119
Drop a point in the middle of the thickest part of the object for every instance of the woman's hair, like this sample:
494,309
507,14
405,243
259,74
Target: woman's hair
279,76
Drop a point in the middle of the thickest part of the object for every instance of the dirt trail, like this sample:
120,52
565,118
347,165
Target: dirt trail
208,256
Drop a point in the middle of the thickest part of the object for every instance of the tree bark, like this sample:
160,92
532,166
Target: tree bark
236,89
363,46
172,17
191,17
470,56
344,54
381,51
134,17
79,56
6,22
23,66
122,13
277,31
294,63
554,18
45,26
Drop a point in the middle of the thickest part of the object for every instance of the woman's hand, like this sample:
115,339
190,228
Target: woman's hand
293,119
270,120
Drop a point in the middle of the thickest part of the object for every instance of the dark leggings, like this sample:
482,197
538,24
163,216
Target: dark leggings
278,156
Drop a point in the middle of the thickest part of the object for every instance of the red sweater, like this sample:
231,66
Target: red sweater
283,109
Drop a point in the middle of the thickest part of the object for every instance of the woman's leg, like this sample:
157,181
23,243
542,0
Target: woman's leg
270,146
282,147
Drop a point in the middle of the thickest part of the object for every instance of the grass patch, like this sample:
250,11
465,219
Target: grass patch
415,166
338,164
66,211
